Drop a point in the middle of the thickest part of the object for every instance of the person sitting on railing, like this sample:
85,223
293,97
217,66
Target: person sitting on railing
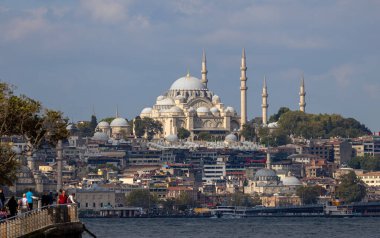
23,204
12,206
71,198
3,213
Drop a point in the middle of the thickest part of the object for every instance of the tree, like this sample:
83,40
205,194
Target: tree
93,123
351,188
25,118
205,136
240,199
138,126
108,119
370,163
248,131
152,127
84,129
310,194
277,116
184,201
141,198
183,133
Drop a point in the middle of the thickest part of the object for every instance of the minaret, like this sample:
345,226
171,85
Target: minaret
269,165
59,164
264,104
302,95
243,90
204,69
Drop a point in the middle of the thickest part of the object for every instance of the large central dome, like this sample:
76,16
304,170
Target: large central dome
188,83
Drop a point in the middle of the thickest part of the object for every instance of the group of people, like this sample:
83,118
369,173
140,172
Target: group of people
24,204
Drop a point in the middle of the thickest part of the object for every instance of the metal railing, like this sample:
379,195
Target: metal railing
28,222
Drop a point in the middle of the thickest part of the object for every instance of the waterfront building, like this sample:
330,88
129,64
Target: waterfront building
371,179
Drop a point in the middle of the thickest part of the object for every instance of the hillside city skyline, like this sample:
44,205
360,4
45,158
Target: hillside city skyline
76,56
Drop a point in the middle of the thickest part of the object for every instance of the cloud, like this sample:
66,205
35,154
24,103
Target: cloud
106,11
373,90
18,28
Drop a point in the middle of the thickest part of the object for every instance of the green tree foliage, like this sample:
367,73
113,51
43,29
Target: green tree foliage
184,201
275,137
183,133
351,188
248,131
93,123
241,199
276,117
204,136
139,127
141,198
84,129
366,162
152,127
108,119
320,125
310,194
24,117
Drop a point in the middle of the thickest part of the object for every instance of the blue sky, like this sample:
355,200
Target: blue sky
78,55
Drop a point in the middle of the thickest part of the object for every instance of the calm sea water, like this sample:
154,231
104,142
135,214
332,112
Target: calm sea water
245,227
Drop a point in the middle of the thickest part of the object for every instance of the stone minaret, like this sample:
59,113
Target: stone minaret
243,90
302,96
269,165
59,164
265,104
204,69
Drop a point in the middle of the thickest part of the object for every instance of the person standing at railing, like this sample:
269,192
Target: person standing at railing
71,198
45,199
23,204
2,198
12,206
29,196
62,198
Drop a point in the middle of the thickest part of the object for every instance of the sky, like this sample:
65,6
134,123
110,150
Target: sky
97,55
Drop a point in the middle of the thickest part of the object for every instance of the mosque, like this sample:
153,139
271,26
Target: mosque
191,105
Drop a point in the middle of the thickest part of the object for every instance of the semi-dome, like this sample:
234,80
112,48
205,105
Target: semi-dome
231,138
291,181
203,110
175,109
160,97
146,110
265,174
103,124
180,97
188,83
119,122
172,138
100,136
215,99
165,102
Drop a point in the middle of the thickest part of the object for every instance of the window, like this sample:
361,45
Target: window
101,204
93,205
86,204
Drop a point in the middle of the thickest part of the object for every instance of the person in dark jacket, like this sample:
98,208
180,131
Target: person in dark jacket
45,199
12,206
2,198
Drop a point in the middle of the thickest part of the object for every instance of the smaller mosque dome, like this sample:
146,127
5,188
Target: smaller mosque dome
165,102
172,138
179,97
214,110
71,127
215,99
231,110
146,110
191,109
291,181
203,110
230,138
159,98
103,125
265,174
188,83
100,136
175,109
273,125
119,122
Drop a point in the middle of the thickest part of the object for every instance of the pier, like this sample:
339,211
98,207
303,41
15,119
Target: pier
50,221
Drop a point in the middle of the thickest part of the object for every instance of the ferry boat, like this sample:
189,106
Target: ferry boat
228,212
339,211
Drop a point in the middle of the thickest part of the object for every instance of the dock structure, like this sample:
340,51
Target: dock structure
123,212
50,221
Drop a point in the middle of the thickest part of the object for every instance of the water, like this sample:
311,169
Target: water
245,227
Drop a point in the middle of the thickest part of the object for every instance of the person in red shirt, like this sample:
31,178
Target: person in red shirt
62,198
